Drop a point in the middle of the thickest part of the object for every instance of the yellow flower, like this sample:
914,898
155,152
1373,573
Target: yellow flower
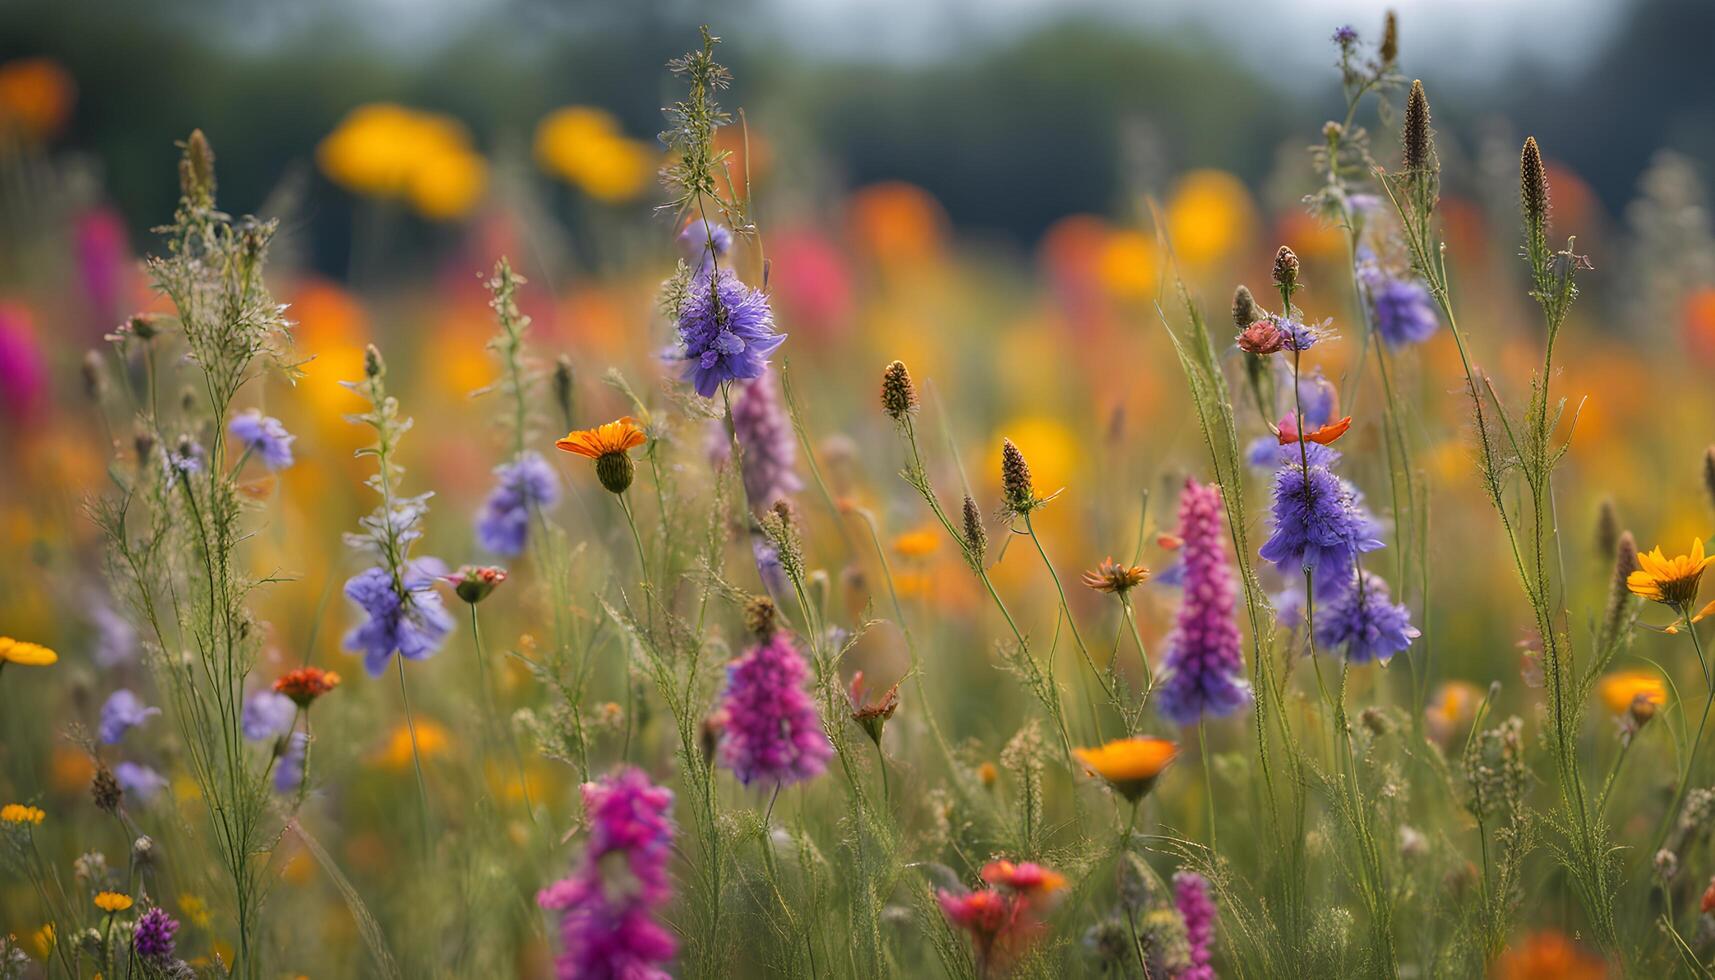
920,543
386,150
1207,215
44,939
584,146
1672,581
432,740
1130,765
111,902
25,654
1451,709
1620,689
608,445
20,814
195,910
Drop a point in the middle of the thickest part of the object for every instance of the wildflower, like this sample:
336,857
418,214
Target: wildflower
413,622
609,445
25,654
773,734
1416,138
770,449
289,767
1261,338
267,714
920,543
1285,270
1197,908
609,902
1388,50
138,781
111,902
1548,955
1324,435
391,151
20,814
1026,878
1205,670
870,715
780,528
115,637
524,486
1451,709
976,538
1320,524
306,684
1114,578
1365,623
1245,311
898,394
1670,581
726,330
36,97
704,243
152,938
586,147
1130,765
988,774
1632,692
184,459
1297,335
995,920
264,436
1016,489
1533,188
1346,36
122,712
1402,309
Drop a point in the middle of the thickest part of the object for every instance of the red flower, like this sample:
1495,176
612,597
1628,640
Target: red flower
306,684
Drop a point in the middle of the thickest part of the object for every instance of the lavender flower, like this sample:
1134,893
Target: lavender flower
695,240
768,567
608,904
1363,621
115,637
1402,309
1205,671
289,768
183,460
526,483
726,330
267,715
264,436
139,782
1296,335
1197,908
770,450
773,733
123,711
1320,523
152,939
415,623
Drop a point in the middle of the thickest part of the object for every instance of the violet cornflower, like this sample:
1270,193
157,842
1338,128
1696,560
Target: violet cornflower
289,768
773,734
1296,335
1402,309
264,436
1364,621
267,715
608,903
123,711
152,939
726,331
769,447
1320,523
524,485
1191,897
141,783
1205,670
115,637
414,624
695,241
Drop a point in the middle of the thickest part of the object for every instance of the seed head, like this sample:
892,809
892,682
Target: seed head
1245,310
1709,472
615,471
1389,49
373,365
1016,488
1607,528
1533,187
976,539
196,170
104,789
759,616
1416,139
563,387
1286,269
898,394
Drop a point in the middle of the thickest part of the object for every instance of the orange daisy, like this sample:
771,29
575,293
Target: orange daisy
1130,765
609,446
1671,581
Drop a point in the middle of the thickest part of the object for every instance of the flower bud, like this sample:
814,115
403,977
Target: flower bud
1286,269
898,394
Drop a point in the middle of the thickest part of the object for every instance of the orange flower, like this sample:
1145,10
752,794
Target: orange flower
1671,581
1549,955
1130,765
613,437
1288,431
306,684
1621,689
920,543
1451,709
36,96
111,902
1110,576
1027,878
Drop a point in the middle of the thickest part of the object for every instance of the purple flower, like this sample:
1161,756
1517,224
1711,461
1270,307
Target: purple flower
1403,309
1300,336
1205,671
525,484
413,623
773,734
1363,621
1345,36
289,768
264,436
1320,523
152,939
139,782
1191,897
122,712
769,447
184,459
267,715
768,567
1318,397
726,331
115,637
695,240
608,903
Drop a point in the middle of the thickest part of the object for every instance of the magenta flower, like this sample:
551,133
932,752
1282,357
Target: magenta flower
773,734
770,450
608,904
1197,908
1205,670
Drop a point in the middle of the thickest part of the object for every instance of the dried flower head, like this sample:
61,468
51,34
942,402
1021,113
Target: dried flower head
872,714
1114,578
1533,188
563,390
976,538
1388,50
1261,338
898,394
1416,139
1286,270
1245,310
1709,472
1016,488
1607,527
104,789
759,616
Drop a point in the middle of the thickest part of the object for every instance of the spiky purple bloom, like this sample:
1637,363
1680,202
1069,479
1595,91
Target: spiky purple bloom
695,241
1402,308
183,460
1300,336
267,714
1345,35
1364,621
152,939
765,437
1205,670
414,624
264,436
123,711
1191,897
768,567
608,903
773,734
289,768
726,331
526,483
1320,523
140,782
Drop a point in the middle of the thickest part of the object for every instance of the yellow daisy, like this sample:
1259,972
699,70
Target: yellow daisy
111,902
20,814
25,654
1671,581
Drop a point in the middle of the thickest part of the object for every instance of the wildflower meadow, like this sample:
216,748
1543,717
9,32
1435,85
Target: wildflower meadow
688,564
